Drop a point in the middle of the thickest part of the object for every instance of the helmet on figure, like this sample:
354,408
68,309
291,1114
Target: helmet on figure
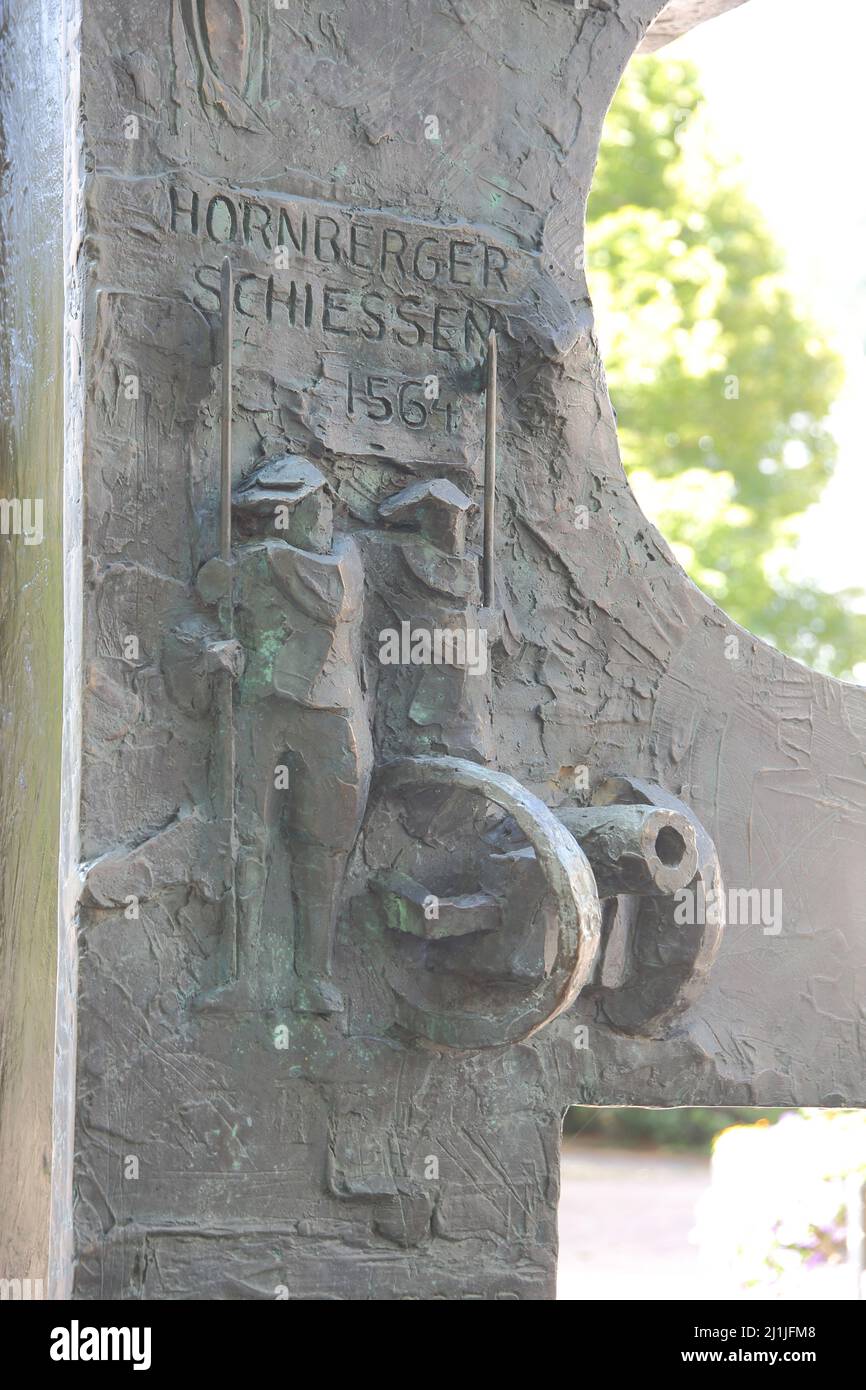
292,498
437,509
286,480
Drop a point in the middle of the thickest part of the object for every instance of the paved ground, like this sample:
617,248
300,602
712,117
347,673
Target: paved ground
624,1224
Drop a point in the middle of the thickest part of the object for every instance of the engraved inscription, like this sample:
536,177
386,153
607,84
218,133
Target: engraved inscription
386,399
344,313
341,276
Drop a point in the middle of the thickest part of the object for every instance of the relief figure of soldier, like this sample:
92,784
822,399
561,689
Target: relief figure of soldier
303,747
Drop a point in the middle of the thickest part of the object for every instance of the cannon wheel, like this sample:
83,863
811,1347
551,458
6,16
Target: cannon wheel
572,886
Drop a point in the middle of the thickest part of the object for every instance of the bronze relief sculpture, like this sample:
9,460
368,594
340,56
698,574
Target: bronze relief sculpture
384,800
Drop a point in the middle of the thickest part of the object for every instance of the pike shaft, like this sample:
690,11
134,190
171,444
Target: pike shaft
226,305
226,690
490,474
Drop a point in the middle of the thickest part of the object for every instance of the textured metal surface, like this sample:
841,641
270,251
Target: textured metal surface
306,1164
679,16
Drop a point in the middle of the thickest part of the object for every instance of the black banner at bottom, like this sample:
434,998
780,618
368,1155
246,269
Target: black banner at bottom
147,1338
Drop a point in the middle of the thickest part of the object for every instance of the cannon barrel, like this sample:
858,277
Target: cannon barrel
634,849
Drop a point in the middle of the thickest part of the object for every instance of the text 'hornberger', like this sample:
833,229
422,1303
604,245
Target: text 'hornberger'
349,274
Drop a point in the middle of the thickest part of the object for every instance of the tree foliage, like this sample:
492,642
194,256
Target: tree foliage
721,382
691,1127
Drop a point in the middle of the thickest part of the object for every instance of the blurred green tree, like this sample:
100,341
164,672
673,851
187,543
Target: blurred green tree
689,1127
721,382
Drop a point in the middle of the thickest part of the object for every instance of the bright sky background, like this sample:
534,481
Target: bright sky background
786,87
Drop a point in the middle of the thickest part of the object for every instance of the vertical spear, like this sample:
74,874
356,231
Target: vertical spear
489,474
226,689
226,308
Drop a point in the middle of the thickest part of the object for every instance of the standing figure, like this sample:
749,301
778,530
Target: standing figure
304,753
432,585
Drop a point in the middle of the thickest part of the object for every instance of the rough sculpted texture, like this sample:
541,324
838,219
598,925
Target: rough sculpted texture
333,999
678,16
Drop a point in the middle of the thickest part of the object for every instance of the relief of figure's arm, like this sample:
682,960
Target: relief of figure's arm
192,654
328,588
